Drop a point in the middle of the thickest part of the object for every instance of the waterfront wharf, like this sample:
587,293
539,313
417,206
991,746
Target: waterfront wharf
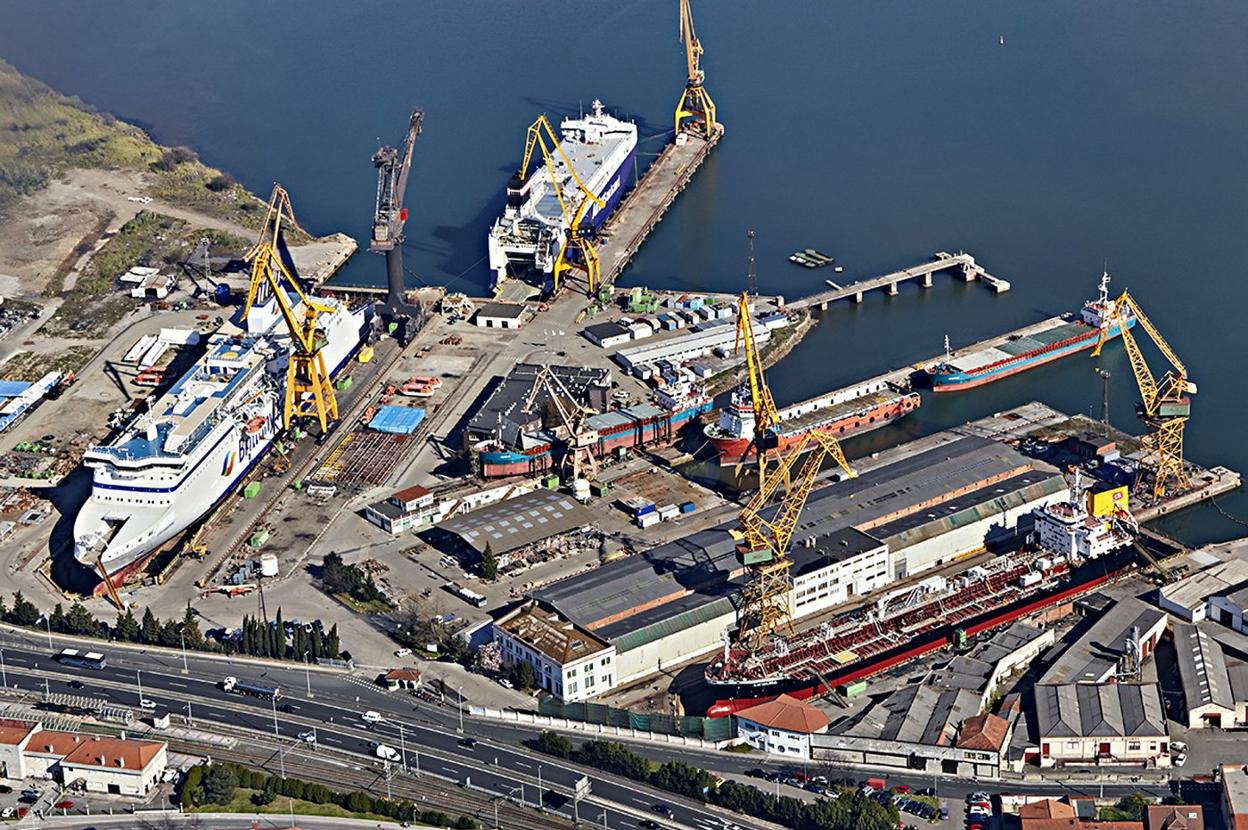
642,208
968,268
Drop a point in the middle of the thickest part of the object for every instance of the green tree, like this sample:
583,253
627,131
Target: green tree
333,648
23,611
170,635
150,628
127,627
522,675
57,621
263,797
358,802
1135,805
489,563
552,743
220,782
81,621
190,628
192,787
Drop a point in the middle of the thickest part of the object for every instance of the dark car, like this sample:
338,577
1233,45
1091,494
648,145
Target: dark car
757,772
286,707
468,743
649,824
76,684
813,787
664,810
5,789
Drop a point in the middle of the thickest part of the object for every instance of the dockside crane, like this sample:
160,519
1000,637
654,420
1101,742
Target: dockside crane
695,102
393,166
309,391
541,135
572,414
1164,404
766,536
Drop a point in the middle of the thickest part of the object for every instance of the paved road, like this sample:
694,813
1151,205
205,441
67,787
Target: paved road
428,735
202,821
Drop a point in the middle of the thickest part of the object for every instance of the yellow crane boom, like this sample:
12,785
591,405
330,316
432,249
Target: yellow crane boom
541,135
1164,405
765,541
270,233
695,102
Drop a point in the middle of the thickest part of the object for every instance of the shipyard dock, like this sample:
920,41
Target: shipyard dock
967,267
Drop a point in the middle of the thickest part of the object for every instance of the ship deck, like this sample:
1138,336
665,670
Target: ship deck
1015,345
835,412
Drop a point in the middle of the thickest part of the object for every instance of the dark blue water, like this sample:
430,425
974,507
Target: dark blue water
879,132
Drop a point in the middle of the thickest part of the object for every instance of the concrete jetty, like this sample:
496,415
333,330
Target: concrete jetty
968,268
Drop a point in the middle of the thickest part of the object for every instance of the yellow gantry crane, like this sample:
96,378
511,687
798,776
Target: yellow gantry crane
695,102
765,538
766,416
542,135
309,390
1164,405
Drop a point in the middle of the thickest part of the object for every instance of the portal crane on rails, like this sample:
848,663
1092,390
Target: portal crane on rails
766,536
309,391
393,166
695,102
572,415
541,135
1164,404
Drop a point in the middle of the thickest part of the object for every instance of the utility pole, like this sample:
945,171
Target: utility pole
190,721
461,709
276,734
47,622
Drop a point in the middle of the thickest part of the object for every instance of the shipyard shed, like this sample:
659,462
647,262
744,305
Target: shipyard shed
607,335
674,602
500,316
1215,687
516,523
1099,652
505,412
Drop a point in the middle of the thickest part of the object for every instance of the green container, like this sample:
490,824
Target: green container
599,488
550,482
853,690
251,490
259,538
343,384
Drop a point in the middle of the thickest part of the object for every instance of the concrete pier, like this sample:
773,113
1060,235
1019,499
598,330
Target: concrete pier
968,270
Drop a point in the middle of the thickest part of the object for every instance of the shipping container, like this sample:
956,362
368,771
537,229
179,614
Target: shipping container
645,520
668,512
853,690
259,538
551,482
251,490
688,507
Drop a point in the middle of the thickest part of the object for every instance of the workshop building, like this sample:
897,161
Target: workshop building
500,316
1215,687
409,509
607,335
568,661
103,764
830,570
782,726
1111,723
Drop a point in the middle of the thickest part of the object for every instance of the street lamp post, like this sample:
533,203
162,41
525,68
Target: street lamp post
461,709
276,734
604,818
4,674
190,721
138,676
47,621
185,670
402,748
307,673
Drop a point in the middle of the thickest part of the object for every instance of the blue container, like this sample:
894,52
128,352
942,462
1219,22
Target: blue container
641,511
688,507
222,294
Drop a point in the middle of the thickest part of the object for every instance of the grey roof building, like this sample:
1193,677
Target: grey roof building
514,523
1092,710
1094,657
1215,688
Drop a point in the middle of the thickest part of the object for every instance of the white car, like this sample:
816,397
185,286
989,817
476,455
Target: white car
308,737
8,812
1178,747
1180,759
372,717
505,683
147,703
403,652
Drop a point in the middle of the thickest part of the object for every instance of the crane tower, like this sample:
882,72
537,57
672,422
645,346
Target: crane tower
695,102
389,215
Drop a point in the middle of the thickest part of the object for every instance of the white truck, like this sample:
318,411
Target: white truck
386,753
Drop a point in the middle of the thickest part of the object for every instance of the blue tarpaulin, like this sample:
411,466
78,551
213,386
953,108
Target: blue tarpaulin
13,388
397,420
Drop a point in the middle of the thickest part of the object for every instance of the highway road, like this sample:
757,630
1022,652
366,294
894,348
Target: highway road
428,736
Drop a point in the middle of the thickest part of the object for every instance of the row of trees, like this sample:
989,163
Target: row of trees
849,811
219,783
259,638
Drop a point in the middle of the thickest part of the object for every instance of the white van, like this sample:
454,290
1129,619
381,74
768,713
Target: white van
372,717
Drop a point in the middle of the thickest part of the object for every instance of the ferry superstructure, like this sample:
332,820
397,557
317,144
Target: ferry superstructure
531,232
198,440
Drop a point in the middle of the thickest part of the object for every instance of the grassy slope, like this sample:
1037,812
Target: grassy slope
44,134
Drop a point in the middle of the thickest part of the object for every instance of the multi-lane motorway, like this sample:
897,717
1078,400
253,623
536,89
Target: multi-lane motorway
429,737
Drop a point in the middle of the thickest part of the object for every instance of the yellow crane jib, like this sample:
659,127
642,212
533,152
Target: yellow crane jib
270,233
695,102
1164,405
766,416
765,540
541,135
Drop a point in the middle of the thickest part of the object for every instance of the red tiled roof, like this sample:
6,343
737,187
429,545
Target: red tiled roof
1051,814
411,493
1175,817
13,732
403,674
787,713
1048,808
52,742
984,732
113,753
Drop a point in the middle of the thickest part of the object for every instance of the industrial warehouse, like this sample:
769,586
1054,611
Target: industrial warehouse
918,513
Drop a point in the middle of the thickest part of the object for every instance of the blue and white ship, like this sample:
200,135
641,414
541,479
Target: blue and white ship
197,441
529,235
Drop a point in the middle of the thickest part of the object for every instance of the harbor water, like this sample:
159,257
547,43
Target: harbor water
1046,139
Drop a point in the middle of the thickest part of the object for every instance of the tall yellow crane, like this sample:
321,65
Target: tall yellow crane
765,538
542,135
309,391
695,102
766,416
1164,406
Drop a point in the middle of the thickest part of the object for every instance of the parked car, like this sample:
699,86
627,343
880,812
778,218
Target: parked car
903,789
7,812
1179,760
64,805
979,795
944,813
757,772
505,683
403,652
649,824
975,825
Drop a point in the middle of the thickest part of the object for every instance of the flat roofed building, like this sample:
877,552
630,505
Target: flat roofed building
409,509
607,335
782,726
1095,657
568,661
1108,724
1190,598
513,407
500,316
1215,689
828,570
1235,796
